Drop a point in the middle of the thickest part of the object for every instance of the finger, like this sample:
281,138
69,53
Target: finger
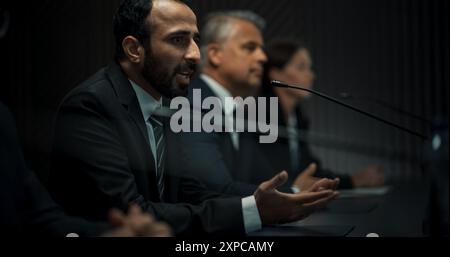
134,210
119,232
135,213
308,197
310,170
323,183
142,227
141,223
333,184
116,218
149,227
322,203
275,182
317,186
161,230
337,182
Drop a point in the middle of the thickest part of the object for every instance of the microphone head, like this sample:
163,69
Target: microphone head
277,83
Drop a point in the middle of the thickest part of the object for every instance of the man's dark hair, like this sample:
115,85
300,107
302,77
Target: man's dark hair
279,54
130,20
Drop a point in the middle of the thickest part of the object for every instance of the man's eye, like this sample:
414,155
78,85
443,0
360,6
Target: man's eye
250,48
197,40
179,40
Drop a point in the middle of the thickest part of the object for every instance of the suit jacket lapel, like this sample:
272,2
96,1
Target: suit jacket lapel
129,101
127,96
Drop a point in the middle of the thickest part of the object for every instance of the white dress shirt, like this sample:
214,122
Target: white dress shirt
149,105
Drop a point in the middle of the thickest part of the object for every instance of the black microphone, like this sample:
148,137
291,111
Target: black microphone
348,96
276,83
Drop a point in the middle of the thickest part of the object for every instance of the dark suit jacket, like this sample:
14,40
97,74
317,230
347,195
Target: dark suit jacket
212,158
102,159
280,159
26,207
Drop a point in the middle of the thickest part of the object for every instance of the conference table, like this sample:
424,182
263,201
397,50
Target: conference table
397,210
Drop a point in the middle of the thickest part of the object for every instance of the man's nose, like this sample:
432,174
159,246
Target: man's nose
261,55
193,52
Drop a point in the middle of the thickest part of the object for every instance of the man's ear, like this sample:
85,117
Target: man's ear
133,49
214,53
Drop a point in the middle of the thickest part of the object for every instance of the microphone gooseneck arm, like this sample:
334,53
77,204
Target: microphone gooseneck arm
329,98
385,104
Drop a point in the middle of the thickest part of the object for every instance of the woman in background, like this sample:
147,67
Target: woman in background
290,62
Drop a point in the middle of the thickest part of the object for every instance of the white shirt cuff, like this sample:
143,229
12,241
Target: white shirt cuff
252,220
295,189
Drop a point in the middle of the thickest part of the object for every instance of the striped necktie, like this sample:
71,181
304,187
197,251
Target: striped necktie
158,131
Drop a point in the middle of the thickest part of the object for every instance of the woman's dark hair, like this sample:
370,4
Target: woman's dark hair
130,20
279,54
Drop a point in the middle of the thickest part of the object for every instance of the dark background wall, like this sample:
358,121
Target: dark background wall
391,50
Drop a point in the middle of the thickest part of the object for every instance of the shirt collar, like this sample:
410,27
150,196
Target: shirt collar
147,103
292,120
220,92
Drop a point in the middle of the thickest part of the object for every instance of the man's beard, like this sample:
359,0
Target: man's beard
160,77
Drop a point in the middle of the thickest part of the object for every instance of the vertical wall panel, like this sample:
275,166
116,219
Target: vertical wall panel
392,50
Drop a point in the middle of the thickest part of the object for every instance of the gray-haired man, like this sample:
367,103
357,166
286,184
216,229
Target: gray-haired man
232,66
